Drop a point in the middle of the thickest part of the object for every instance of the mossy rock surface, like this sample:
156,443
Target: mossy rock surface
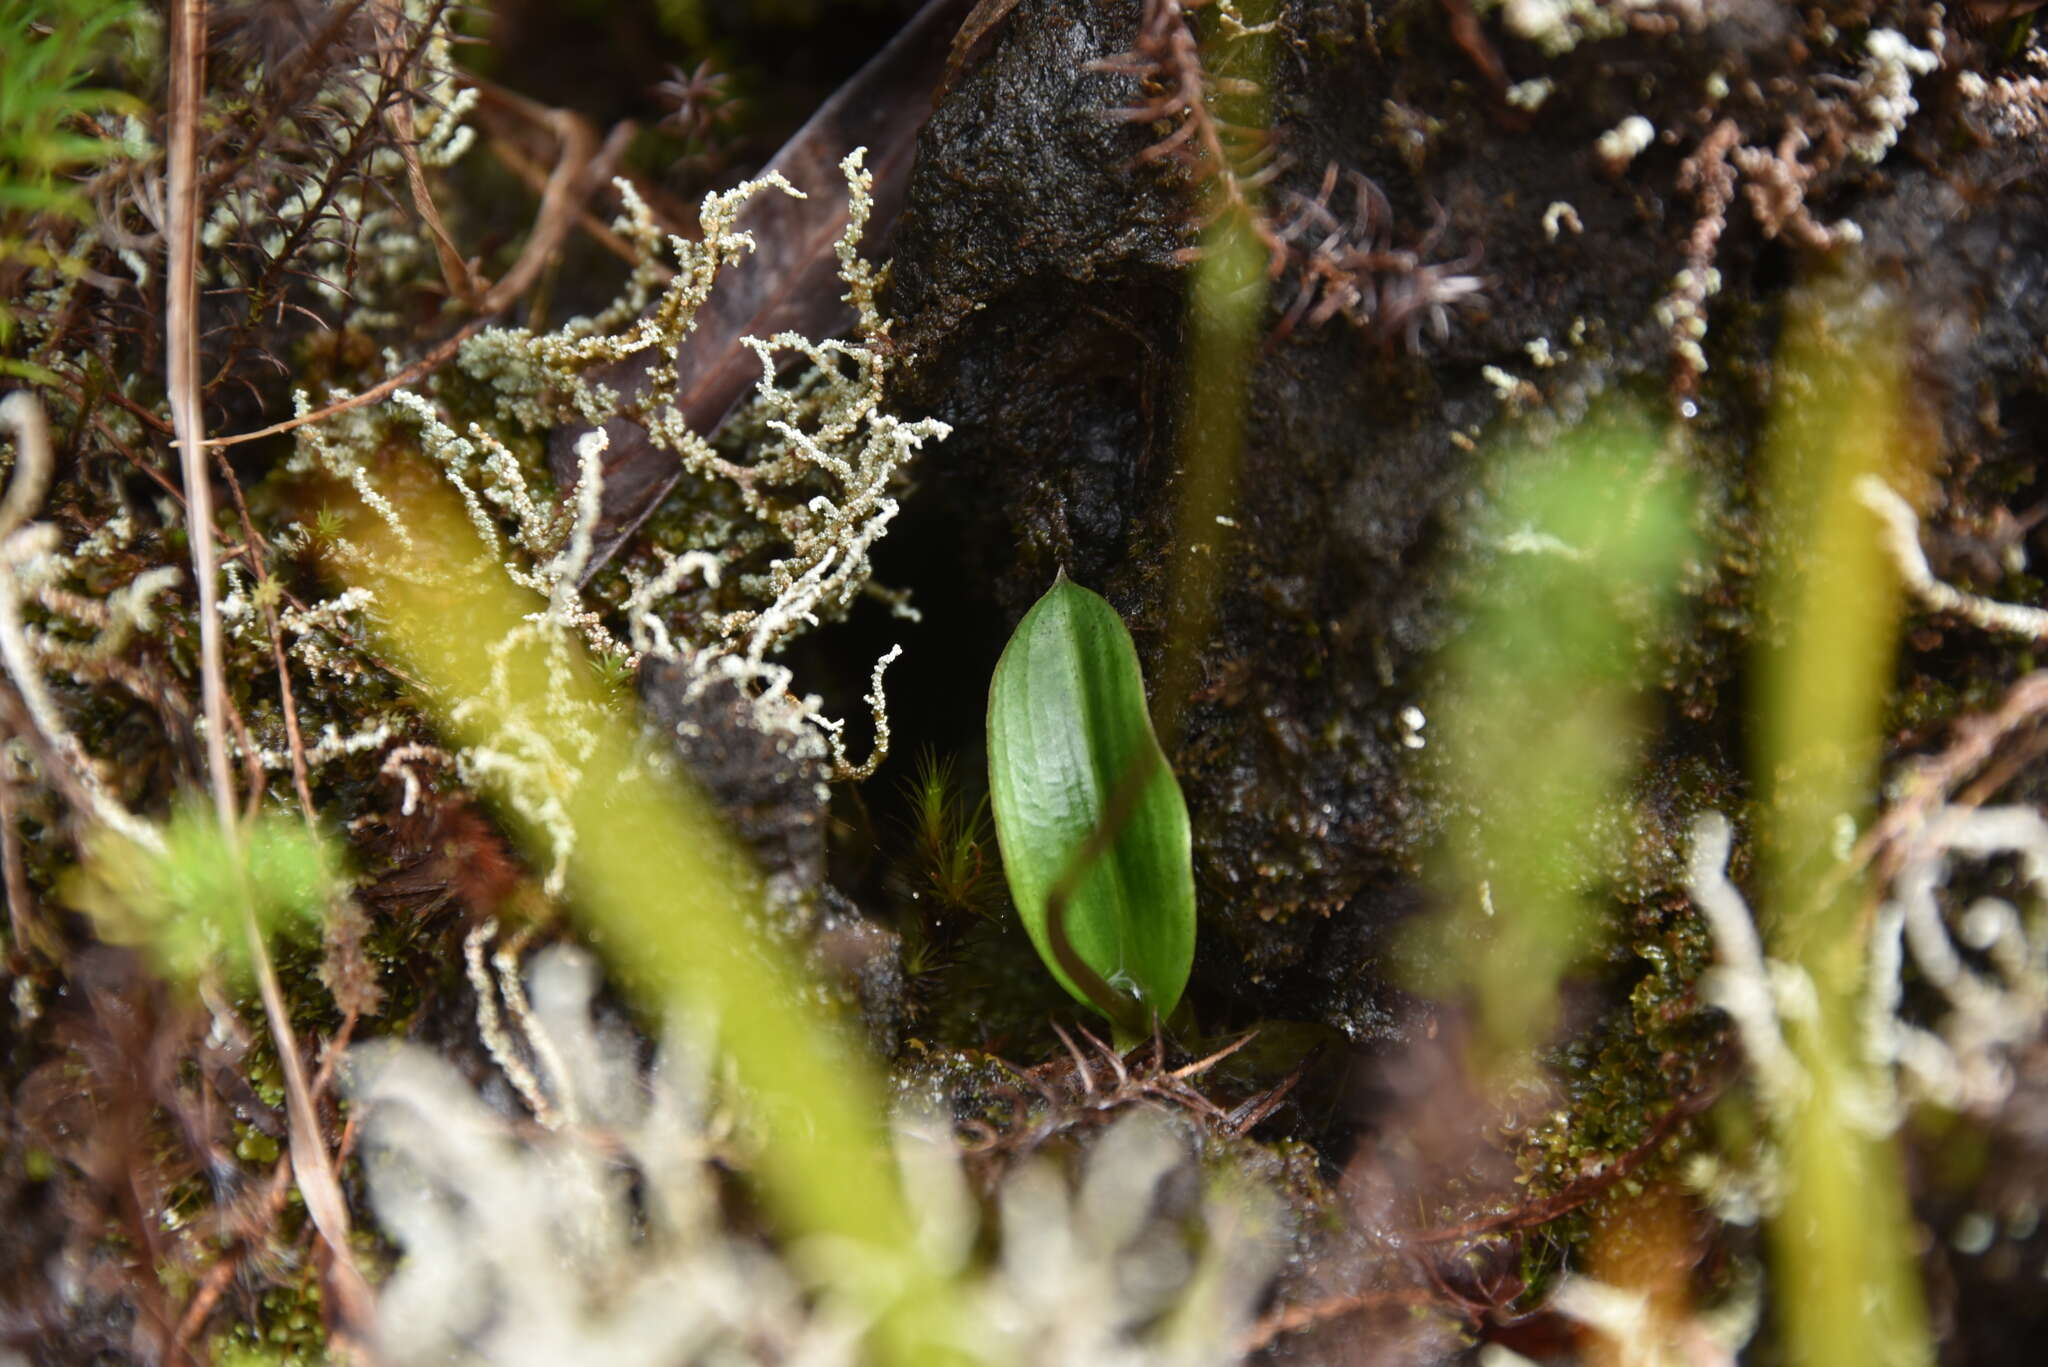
1039,296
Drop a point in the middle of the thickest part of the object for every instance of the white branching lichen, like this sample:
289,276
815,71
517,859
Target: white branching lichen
1902,539
1558,26
1558,217
1621,144
1962,1061
490,1025
1984,959
32,564
1753,990
1843,122
1776,181
1885,99
813,495
600,1238
1644,1334
2013,108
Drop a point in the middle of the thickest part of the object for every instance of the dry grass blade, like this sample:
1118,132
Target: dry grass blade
462,282
311,1166
181,349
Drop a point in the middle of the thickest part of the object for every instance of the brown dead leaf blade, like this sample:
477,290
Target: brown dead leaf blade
791,283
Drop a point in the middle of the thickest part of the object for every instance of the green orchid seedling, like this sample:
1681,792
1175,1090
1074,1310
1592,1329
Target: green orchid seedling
1092,825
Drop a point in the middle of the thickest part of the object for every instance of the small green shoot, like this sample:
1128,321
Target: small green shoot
614,673
1092,826
328,525
952,839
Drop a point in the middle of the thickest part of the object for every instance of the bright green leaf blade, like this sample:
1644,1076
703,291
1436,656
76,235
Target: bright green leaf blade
1067,724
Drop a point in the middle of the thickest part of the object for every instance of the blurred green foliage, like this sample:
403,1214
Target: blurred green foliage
666,893
1542,711
51,128
183,903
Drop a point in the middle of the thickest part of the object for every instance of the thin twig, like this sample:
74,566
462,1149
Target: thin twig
181,344
80,394
18,903
293,736
425,365
163,481
1203,1065
252,764
463,282
223,1270
1577,1193
675,217
1295,1318
536,179
261,570
266,1211
1976,741
558,204
311,1166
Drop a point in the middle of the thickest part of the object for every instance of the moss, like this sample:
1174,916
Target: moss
287,1330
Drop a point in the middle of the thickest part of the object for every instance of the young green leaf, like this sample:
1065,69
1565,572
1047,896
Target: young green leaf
1092,826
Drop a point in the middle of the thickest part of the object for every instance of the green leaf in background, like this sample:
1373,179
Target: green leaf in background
1093,829
1544,711
182,903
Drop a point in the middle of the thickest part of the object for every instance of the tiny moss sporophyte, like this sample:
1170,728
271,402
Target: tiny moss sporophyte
1092,825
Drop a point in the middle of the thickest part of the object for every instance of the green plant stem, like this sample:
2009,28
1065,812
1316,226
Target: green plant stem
664,893
1226,305
1848,1294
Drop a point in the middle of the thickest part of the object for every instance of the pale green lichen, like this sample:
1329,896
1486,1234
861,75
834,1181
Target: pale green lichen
813,496
601,1238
